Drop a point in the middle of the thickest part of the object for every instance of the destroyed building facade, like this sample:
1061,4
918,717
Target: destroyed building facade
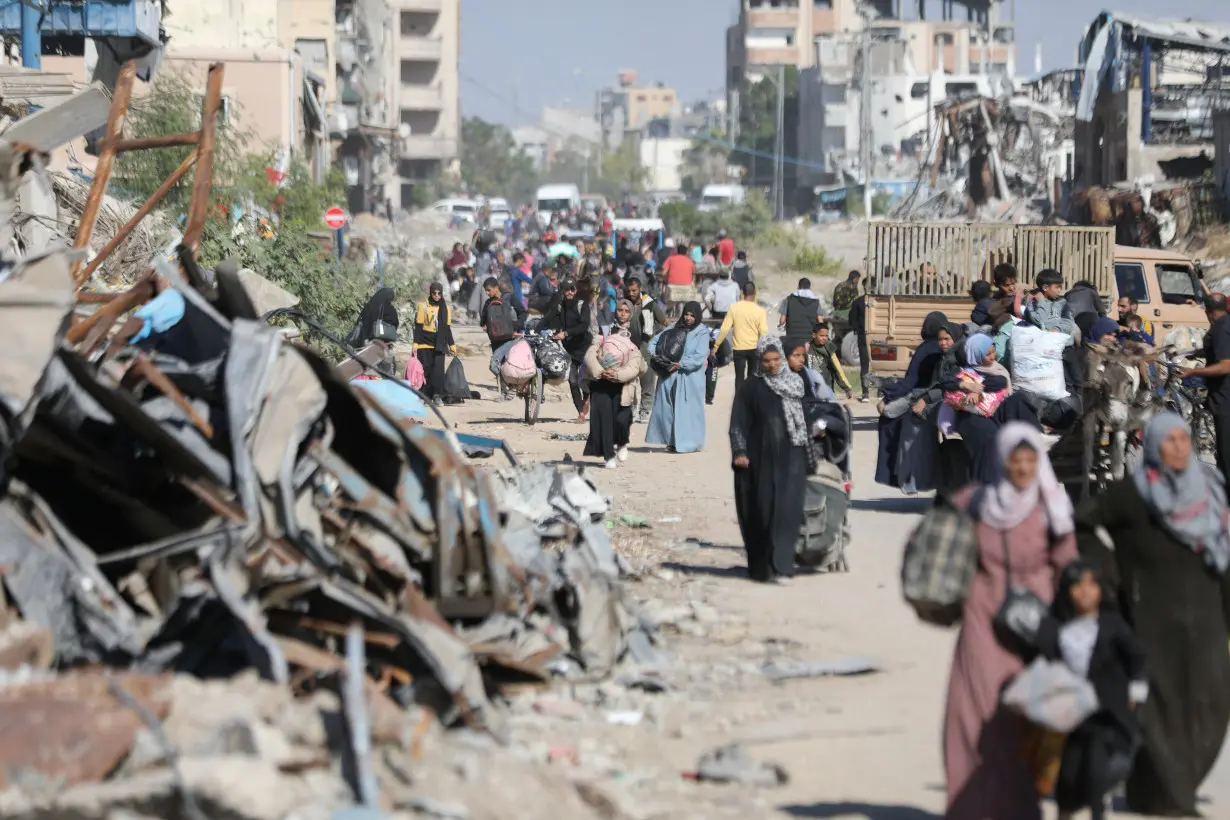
1148,99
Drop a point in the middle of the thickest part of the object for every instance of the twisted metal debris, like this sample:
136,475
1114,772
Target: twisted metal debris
216,500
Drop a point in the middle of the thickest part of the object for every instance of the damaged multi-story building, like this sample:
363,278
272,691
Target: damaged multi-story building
1153,102
915,64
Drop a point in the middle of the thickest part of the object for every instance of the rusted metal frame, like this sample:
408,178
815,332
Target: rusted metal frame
384,640
122,234
198,209
94,298
102,170
138,294
143,367
166,141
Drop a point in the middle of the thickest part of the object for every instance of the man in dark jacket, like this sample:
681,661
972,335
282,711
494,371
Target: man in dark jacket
799,312
858,326
741,272
497,301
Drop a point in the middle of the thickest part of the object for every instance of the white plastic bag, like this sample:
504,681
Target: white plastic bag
1037,362
1050,695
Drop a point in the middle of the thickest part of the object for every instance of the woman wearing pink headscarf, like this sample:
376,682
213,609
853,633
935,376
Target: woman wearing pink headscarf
1024,525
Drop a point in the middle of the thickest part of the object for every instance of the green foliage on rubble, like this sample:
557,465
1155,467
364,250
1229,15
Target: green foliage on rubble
331,291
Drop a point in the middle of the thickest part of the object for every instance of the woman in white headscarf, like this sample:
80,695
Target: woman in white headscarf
1024,527
773,455
1168,576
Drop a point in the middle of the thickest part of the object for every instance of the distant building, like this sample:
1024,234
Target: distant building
428,47
915,65
630,106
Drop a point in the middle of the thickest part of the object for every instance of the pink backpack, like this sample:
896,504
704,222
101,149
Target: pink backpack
518,366
616,351
414,373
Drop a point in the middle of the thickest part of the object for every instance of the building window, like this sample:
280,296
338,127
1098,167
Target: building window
918,91
224,108
641,98
824,4
944,38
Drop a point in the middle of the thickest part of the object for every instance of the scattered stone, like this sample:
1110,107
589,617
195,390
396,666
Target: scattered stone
732,764
843,667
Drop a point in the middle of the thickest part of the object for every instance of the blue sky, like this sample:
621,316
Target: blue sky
518,57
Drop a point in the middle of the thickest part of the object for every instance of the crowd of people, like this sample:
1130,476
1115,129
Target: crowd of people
1129,590
1132,585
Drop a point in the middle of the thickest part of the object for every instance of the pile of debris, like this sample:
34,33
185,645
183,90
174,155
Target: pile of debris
190,496
990,159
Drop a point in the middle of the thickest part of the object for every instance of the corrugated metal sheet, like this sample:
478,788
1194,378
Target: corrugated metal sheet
1199,33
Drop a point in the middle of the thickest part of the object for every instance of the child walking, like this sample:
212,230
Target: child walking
1098,645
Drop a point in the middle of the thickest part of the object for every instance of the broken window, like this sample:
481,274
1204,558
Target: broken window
1130,278
918,91
1179,284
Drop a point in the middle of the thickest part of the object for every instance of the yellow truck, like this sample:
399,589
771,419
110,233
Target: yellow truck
916,268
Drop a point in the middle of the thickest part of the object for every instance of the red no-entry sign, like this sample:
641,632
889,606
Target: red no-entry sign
335,217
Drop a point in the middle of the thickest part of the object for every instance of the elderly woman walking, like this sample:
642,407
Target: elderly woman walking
1167,574
1024,526
614,366
773,455
678,355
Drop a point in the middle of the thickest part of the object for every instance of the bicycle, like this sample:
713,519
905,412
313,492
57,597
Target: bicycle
1189,398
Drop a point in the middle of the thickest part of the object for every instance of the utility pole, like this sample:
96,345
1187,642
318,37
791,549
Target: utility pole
601,131
779,195
866,139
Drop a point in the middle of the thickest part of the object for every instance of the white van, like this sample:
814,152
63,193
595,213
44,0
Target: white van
555,198
716,197
465,208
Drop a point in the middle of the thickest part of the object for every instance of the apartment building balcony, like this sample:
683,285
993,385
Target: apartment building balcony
420,5
420,48
420,97
428,147
773,18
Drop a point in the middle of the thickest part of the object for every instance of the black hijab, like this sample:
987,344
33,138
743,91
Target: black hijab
435,298
693,308
933,324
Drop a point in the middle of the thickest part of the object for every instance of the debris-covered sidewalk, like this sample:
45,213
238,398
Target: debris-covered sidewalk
232,585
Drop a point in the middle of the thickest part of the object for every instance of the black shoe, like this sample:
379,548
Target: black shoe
708,401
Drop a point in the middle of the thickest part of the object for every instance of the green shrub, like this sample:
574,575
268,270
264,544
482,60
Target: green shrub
815,260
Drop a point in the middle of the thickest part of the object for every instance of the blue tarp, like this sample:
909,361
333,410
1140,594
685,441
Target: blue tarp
393,396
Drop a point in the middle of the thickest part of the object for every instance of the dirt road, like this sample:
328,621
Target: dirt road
856,747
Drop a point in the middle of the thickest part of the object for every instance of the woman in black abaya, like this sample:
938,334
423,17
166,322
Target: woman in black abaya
921,374
377,321
773,455
1168,576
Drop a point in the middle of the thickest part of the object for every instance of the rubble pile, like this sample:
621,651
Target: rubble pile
990,159
232,584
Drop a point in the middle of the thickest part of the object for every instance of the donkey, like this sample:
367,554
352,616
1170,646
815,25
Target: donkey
1115,402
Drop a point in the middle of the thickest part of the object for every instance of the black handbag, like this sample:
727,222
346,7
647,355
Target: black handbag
1020,616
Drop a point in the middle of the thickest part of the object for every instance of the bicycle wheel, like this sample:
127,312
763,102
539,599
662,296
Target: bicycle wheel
533,398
